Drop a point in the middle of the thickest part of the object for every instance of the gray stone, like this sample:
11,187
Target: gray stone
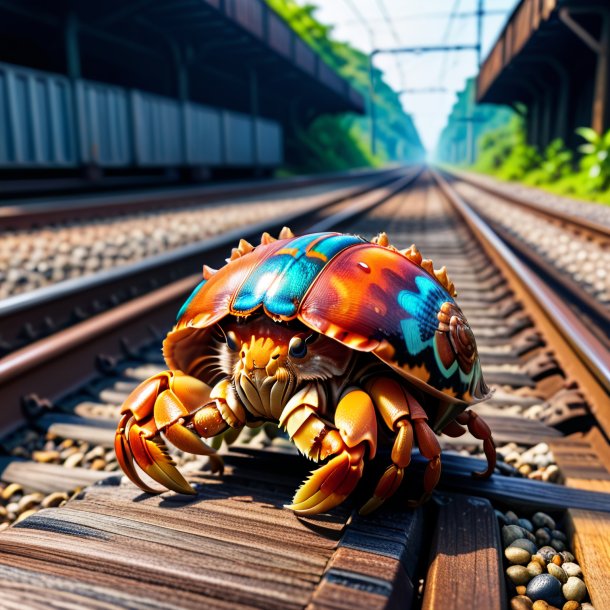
558,545
526,524
511,517
543,520
526,544
547,552
542,536
510,533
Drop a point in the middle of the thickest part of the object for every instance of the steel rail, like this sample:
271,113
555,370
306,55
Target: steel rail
581,354
42,365
573,221
64,303
20,214
585,301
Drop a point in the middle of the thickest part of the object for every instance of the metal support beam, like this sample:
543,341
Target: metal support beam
601,96
254,110
71,46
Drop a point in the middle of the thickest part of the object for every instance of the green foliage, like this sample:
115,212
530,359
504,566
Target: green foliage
504,152
343,141
469,121
595,162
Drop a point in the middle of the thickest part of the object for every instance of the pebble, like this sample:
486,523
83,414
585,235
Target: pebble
567,556
526,544
521,602
29,501
510,533
10,490
518,575
534,568
557,559
558,545
543,520
572,569
547,553
45,456
547,588
520,589
54,499
557,572
526,524
574,589
539,559
557,535
511,517
74,460
542,536
571,605
516,554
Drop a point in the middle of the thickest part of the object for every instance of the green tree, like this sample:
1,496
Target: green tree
342,141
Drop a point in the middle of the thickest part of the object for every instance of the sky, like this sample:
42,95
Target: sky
382,24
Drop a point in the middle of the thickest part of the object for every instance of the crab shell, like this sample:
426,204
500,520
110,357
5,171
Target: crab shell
368,297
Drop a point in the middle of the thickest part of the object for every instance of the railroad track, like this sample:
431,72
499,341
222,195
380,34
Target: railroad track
98,261
570,250
233,546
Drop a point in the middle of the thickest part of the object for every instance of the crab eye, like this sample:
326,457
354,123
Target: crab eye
297,347
231,339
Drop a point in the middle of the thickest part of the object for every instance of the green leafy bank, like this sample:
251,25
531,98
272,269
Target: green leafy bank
500,148
334,142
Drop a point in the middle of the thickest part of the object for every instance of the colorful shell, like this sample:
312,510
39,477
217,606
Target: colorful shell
369,297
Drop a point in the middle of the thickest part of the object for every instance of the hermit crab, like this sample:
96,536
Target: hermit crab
332,338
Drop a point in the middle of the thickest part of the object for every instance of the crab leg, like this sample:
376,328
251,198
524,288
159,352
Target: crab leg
356,429
181,407
403,414
393,405
479,429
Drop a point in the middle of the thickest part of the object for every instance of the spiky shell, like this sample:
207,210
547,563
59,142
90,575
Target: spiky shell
368,296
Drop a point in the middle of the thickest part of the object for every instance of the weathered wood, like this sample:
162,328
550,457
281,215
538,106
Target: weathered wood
376,557
590,535
231,546
466,561
584,461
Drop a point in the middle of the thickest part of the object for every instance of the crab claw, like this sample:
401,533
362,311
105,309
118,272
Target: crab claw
132,444
330,484
169,403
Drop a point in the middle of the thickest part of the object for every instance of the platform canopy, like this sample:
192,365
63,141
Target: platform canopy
237,54
553,56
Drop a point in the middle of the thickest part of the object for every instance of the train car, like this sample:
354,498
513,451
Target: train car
50,122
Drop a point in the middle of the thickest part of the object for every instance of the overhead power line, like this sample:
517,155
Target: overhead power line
384,12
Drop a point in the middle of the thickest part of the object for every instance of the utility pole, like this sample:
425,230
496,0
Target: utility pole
480,15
